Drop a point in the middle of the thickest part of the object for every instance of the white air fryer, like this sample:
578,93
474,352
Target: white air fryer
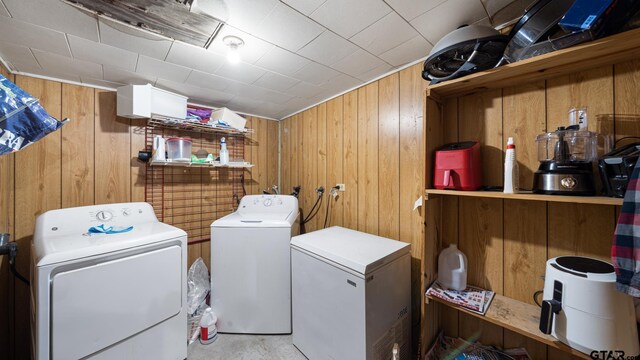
582,308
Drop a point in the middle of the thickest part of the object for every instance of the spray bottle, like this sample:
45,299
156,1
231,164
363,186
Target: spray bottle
224,153
511,178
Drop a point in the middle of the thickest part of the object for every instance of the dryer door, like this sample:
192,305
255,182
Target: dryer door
96,306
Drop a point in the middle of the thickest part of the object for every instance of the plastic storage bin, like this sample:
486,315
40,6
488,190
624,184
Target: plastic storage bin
179,149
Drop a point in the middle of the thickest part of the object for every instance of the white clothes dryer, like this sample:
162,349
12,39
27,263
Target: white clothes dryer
108,294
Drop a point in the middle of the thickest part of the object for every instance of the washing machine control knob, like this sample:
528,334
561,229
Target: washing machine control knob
267,202
104,216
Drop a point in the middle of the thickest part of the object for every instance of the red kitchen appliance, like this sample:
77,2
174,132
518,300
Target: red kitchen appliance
458,166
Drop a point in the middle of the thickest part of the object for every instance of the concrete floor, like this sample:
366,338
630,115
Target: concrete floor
246,347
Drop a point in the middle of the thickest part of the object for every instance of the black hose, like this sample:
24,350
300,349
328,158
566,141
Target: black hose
326,215
311,213
12,266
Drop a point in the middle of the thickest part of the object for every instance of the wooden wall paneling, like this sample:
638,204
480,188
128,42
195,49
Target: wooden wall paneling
285,156
112,164
138,168
321,154
272,153
194,251
525,118
430,315
335,159
481,119
627,107
249,144
309,162
78,137
577,228
296,153
389,156
350,164
368,161
481,224
7,202
37,189
260,155
525,246
449,210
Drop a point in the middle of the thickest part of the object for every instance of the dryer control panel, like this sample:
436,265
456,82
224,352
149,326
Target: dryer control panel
78,220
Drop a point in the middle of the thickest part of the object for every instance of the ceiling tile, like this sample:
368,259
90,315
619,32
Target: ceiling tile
164,70
126,77
101,83
3,10
55,15
282,61
257,93
438,22
375,72
247,15
328,48
315,73
275,81
288,28
19,56
88,50
377,38
252,50
51,74
21,33
133,39
64,65
190,91
407,52
410,9
304,90
504,11
340,84
241,72
304,6
208,81
358,63
194,57
347,18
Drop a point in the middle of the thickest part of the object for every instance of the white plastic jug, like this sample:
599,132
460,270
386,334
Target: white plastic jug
452,268
159,149
208,331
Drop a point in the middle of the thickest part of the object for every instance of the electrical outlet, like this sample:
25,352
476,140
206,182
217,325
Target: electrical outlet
341,187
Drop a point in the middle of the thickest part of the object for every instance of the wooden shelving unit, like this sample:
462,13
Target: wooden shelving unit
518,317
606,51
596,200
215,164
508,243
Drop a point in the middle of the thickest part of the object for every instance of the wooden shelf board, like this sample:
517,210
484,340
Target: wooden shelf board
185,125
606,51
597,200
518,317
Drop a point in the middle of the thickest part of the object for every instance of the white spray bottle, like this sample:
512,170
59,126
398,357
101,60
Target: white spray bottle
224,153
511,176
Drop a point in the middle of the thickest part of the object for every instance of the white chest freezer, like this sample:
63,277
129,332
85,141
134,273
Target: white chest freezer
108,295
251,267
351,295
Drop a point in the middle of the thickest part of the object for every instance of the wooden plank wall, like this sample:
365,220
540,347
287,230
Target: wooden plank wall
369,139
507,242
90,161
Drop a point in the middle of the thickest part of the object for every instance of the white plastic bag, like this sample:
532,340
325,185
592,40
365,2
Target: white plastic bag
199,287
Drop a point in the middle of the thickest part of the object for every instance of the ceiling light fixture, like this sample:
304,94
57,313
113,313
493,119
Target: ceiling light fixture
234,43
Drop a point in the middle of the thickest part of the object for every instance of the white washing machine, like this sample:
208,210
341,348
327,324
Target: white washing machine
351,295
108,295
251,266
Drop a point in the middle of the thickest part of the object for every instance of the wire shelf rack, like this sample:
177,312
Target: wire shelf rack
192,197
185,125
